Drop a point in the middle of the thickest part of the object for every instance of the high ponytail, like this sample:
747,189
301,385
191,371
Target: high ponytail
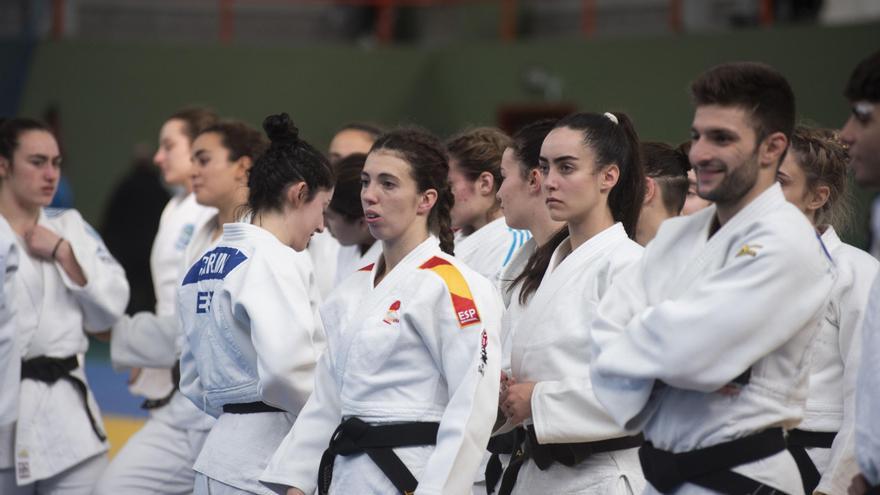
429,167
287,161
613,139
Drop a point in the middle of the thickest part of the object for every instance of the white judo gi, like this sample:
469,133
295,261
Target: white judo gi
249,309
350,259
831,400
53,434
422,345
868,391
10,357
551,346
324,251
159,457
696,313
510,295
488,249
181,220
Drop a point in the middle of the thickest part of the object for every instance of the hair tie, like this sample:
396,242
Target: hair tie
610,116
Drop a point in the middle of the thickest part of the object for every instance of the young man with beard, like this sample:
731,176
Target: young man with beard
703,344
862,133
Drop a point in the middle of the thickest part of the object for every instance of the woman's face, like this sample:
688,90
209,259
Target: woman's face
693,202
173,156
308,219
32,175
348,232
514,192
469,205
215,179
389,195
571,178
793,180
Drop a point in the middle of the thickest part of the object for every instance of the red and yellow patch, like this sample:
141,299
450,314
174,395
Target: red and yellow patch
462,299
393,314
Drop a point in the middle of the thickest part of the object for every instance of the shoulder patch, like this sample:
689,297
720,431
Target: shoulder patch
214,265
518,238
367,268
462,299
186,234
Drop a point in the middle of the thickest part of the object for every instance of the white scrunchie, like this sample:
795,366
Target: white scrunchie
610,116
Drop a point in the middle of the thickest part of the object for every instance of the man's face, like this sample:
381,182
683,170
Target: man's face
861,134
723,153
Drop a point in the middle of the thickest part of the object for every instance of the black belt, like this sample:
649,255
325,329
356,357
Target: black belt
157,403
874,490
49,370
798,442
250,408
354,436
710,467
567,454
508,443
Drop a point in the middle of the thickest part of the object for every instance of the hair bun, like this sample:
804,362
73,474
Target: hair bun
281,129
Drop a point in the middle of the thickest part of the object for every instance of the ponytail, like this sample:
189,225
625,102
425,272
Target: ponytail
445,200
613,140
537,265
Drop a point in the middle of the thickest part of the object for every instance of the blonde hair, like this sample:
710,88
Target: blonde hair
823,158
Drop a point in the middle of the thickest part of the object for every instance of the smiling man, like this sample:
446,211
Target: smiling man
702,344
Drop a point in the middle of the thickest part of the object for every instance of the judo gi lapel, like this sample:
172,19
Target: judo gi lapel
465,246
558,276
33,277
715,247
514,268
374,295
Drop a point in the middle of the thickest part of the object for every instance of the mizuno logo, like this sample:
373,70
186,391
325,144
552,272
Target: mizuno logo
748,250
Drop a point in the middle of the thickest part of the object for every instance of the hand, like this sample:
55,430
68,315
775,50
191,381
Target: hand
505,382
858,485
730,390
102,336
517,404
41,242
295,491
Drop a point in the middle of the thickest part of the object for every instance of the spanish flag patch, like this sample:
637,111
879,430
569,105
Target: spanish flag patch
462,299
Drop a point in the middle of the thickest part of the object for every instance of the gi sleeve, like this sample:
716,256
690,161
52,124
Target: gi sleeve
852,303
104,297
190,382
705,338
567,410
285,328
868,392
144,340
10,356
295,462
469,357
622,397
